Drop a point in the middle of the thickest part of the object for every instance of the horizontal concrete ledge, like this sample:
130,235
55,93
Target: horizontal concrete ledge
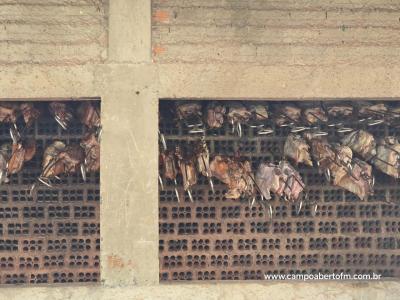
227,290
206,81
289,99
243,81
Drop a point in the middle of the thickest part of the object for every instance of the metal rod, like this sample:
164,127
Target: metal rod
176,190
161,182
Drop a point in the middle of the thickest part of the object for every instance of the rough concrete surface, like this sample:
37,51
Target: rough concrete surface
231,291
131,53
279,33
53,32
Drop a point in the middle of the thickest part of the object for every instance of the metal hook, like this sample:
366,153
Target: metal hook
344,129
375,122
162,139
161,182
327,174
176,190
315,208
197,121
233,126
211,184
265,131
196,130
32,189
190,195
43,180
207,172
263,205
252,202
83,172
239,128
299,129
256,185
270,211
321,133
196,127
335,124
15,136
300,206
99,132
255,125
60,122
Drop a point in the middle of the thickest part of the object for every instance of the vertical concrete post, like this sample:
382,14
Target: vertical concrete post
129,208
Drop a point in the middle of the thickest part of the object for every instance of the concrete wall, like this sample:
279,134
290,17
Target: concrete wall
53,32
277,33
201,48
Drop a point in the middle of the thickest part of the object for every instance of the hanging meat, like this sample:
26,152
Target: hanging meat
203,161
191,115
187,167
29,112
258,119
89,114
340,165
288,114
297,149
215,114
394,113
387,157
259,112
321,151
169,168
73,158
326,157
91,146
52,166
268,178
293,183
343,153
238,114
340,110
184,110
337,163
59,158
361,142
282,180
236,174
61,113
8,112
373,114
5,154
358,180
21,152
315,115
373,110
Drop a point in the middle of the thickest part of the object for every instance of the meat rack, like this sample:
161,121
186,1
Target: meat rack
52,236
220,239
